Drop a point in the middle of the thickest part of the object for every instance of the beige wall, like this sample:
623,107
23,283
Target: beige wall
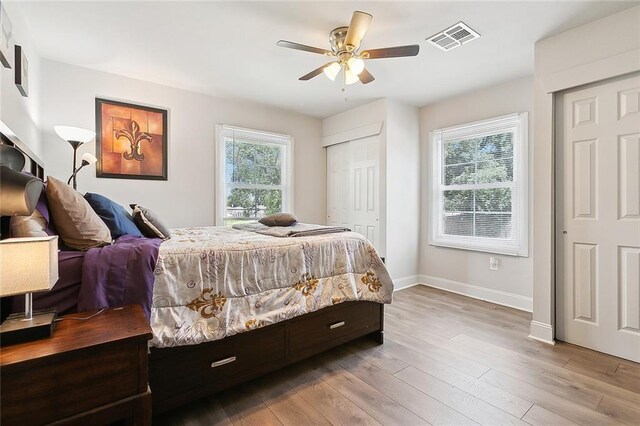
187,198
602,49
463,270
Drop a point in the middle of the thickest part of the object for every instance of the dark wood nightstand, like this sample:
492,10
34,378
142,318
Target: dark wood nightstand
89,372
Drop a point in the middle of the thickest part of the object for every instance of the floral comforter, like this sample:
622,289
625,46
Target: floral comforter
214,282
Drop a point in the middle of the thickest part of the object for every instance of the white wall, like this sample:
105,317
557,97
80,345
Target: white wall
187,198
462,270
20,114
602,49
403,190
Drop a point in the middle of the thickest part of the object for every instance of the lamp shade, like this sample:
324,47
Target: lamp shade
19,192
332,71
74,134
350,77
89,158
356,65
28,265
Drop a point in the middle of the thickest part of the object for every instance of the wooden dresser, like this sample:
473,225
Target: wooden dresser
90,371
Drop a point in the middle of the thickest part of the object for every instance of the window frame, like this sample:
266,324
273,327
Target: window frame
221,186
520,184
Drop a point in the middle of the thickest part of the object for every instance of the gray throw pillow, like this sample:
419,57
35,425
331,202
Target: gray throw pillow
148,223
279,219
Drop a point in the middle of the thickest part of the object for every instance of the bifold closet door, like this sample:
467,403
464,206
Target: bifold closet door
353,187
598,217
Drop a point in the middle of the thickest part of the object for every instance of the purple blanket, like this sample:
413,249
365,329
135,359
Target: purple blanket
119,274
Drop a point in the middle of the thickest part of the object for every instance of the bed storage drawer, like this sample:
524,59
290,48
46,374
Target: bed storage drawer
208,367
181,374
333,327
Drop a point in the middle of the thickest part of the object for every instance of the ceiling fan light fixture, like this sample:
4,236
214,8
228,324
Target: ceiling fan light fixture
332,71
350,77
356,65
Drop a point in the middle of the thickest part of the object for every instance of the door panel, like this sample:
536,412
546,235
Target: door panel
629,169
353,187
598,217
629,259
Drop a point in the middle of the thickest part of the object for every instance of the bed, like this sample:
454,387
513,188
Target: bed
226,306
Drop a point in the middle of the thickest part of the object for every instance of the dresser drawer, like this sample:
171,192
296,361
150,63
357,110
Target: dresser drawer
217,364
328,328
67,385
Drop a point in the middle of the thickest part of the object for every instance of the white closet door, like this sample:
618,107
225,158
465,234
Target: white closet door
598,201
353,187
337,189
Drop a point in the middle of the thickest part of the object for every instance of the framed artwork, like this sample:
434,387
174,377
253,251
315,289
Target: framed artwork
6,34
131,141
22,71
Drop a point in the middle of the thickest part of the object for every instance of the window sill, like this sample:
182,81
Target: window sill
482,248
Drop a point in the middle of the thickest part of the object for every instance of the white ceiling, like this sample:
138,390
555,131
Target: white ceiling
228,49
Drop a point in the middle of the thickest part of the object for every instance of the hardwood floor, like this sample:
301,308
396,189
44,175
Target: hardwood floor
447,359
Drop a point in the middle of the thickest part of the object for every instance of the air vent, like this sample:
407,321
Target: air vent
454,36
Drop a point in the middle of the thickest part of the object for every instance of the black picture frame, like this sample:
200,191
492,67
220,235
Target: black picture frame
100,173
21,71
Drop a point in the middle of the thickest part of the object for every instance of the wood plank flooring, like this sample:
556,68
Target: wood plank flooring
447,360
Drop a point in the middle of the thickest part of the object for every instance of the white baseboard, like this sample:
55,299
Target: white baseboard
541,332
406,282
511,300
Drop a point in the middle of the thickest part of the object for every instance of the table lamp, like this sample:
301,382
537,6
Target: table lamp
76,137
27,265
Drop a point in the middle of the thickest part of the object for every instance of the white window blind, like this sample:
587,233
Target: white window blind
254,173
480,186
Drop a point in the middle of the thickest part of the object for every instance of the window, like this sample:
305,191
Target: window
255,170
480,186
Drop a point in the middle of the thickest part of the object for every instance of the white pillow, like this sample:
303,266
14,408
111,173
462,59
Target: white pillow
28,226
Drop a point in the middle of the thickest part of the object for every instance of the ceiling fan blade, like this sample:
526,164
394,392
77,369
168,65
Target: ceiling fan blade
391,52
315,72
366,77
303,47
357,28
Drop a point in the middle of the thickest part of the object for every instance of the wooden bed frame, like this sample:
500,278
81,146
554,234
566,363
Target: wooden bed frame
182,374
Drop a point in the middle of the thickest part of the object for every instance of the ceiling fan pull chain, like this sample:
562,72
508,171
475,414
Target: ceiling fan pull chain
344,80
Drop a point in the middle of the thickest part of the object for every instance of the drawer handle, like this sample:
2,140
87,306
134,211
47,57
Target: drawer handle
336,325
223,362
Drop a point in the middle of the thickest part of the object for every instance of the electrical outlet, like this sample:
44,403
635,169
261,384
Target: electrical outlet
493,263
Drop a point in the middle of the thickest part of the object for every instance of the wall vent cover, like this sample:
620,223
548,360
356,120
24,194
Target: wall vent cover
454,36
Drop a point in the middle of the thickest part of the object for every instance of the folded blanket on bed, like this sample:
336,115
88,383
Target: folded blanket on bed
297,230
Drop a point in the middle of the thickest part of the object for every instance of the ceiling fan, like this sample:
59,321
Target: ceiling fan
345,47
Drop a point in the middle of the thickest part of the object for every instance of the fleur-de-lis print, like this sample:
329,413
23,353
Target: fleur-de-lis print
307,284
135,138
209,304
371,281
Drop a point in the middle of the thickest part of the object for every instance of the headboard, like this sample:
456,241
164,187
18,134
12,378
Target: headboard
33,164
